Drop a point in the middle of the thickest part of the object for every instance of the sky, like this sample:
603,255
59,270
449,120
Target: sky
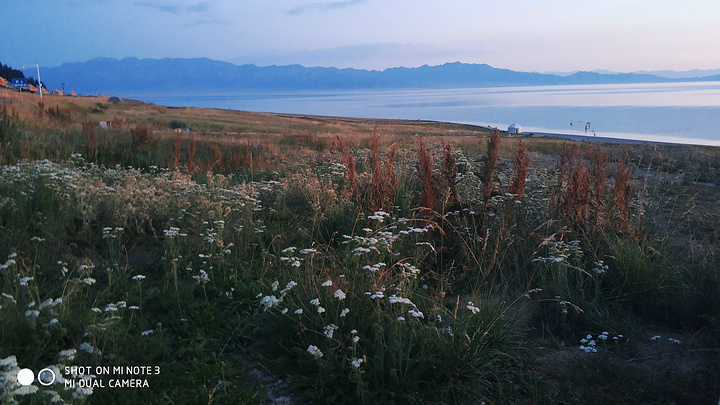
524,35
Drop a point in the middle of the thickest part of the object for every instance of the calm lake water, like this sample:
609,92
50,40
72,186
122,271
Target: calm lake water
667,112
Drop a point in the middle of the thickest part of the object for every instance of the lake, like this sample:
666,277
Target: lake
663,112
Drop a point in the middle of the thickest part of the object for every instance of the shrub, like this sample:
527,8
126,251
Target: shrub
175,124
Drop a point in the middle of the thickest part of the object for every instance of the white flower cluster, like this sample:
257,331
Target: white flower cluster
112,233
173,232
10,261
600,267
561,251
270,301
329,330
293,260
375,267
589,344
202,278
314,351
414,311
379,216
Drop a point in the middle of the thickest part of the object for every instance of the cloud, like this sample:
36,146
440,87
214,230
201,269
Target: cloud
168,8
324,6
200,7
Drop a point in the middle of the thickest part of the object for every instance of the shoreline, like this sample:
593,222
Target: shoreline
603,139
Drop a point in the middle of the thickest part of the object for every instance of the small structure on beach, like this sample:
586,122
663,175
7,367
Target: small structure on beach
514,129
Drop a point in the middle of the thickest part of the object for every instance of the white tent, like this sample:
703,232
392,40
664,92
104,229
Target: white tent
514,129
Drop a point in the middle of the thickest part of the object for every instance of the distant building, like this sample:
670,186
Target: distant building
514,129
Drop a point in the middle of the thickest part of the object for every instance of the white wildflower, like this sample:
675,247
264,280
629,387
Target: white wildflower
328,283
416,313
472,307
356,362
87,347
275,285
288,287
315,351
339,294
344,312
25,390
269,301
24,281
330,330
378,294
8,263
10,362
82,392
138,277
394,299
202,277
67,355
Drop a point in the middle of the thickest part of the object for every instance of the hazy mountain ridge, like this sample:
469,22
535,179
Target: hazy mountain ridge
137,76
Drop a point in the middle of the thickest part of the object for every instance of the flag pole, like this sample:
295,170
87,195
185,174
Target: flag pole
39,82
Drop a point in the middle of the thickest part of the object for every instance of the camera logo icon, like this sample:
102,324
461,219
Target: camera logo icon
26,376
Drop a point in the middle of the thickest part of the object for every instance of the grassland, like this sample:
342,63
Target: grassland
265,258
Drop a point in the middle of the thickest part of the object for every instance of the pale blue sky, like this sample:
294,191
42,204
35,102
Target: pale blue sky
528,35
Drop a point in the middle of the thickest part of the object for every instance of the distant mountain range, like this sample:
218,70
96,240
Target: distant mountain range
132,76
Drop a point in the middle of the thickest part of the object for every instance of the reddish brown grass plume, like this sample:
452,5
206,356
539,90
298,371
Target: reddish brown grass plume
90,131
176,152
493,152
622,191
598,159
449,171
383,180
141,137
217,158
521,162
191,155
350,172
571,196
424,169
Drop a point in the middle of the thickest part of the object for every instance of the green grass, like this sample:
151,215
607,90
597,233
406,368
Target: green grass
218,278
